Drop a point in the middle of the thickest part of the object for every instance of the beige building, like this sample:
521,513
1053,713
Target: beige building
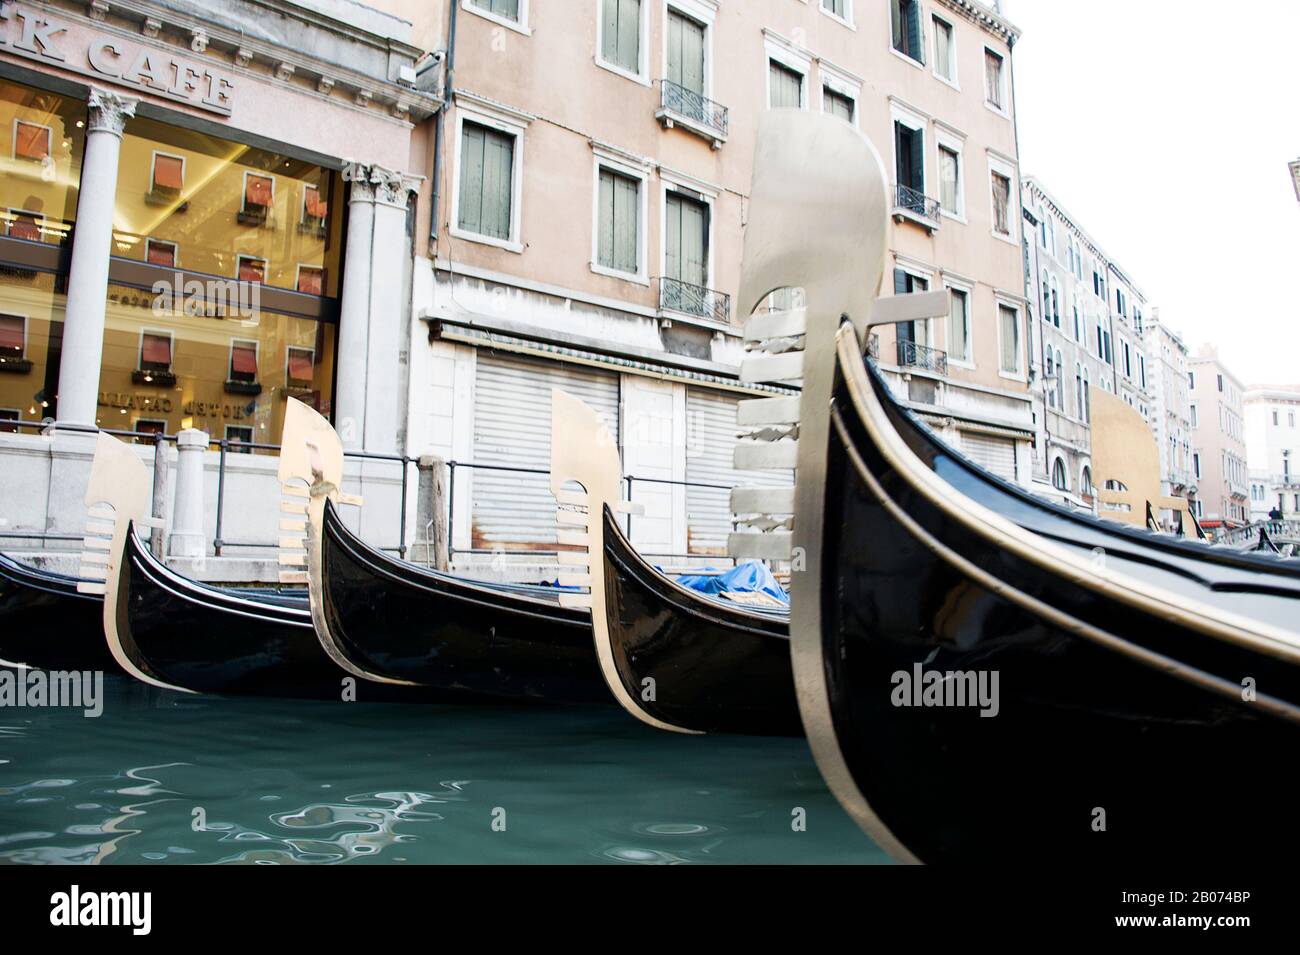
586,221
1218,434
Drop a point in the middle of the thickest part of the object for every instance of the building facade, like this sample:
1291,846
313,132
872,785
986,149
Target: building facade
1170,409
199,222
1273,449
1218,433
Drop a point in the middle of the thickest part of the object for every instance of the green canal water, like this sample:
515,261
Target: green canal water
169,779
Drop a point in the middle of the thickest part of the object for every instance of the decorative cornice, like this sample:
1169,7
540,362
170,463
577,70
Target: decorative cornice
989,19
109,111
372,182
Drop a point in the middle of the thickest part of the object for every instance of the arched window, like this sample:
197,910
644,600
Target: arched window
1056,302
1060,380
1047,297
1059,480
1084,411
1078,319
1049,384
1085,483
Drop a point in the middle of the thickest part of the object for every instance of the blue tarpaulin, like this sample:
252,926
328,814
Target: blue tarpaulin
749,577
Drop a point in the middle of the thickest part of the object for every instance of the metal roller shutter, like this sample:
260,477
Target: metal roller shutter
512,427
991,453
711,441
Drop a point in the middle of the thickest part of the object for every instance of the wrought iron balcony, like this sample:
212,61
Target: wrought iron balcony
695,112
678,296
910,354
915,203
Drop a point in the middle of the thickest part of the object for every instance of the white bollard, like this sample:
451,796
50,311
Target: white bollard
187,512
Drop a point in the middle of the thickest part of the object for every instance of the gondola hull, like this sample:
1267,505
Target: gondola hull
46,624
690,662
402,622
1108,729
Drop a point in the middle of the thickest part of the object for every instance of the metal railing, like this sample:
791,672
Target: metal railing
224,447
693,106
910,354
916,202
678,296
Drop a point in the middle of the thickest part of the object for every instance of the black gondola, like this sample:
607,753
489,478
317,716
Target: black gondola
694,663
983,674
45,623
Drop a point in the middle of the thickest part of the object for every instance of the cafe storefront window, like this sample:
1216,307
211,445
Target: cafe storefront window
42,140
223,287
168,368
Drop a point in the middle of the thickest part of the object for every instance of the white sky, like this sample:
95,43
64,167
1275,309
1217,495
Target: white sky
1165,127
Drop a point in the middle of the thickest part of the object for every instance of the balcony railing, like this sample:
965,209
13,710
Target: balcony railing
676,102
910,354
678,296
917,203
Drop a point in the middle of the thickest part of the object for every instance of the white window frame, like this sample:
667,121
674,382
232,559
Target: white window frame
302,204
703,12
243,195
13,140
634,168
900,112
968,289
297,276
642,75
948,138
150,242
955,80
669,181
926,274
519,26
153,167
889,34
1004,92
230,354
288,346
26,320
846,20
778,48
240,259
842,83
504,120
1005,167
999,302
160,332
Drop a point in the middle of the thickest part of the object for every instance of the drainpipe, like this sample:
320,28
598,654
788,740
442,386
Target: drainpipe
435,204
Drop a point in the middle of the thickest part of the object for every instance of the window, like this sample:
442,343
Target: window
299,366
149,426
1046,284
259,194
1060,380
31,141
24,225
1059,480
506,11
909,159
1078,318
1009,332
251,269
1275,417
1191,380
994,86
1001,204
155,351
915,332
1056,302
837,104
167,178
1085,482
905,28
945,58
1051,372
1142,369
1081,382
239,434
618,212
686,251
1127,358
686,52
243,361
843,9
785,87
1196,464
13,338
620,35
311,279
315,211
1220,377
487,160
959,326
158,252
1290,419
1106,348
1193,416
950,197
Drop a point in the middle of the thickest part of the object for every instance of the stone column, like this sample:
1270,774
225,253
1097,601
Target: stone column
367,399
92,237
187,538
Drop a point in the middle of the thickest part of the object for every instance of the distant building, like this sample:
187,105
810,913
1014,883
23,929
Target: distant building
1273,449
1218,434
1170,412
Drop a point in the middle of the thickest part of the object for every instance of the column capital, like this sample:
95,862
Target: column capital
372,182
109,111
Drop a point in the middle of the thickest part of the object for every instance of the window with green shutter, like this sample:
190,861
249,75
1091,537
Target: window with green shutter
487,158
837,104
785,87
617,227
509,9
620,34
685,52
909,156
905,23
1010,336
686,240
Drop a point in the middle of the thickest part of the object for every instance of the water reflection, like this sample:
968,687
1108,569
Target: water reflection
163,779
